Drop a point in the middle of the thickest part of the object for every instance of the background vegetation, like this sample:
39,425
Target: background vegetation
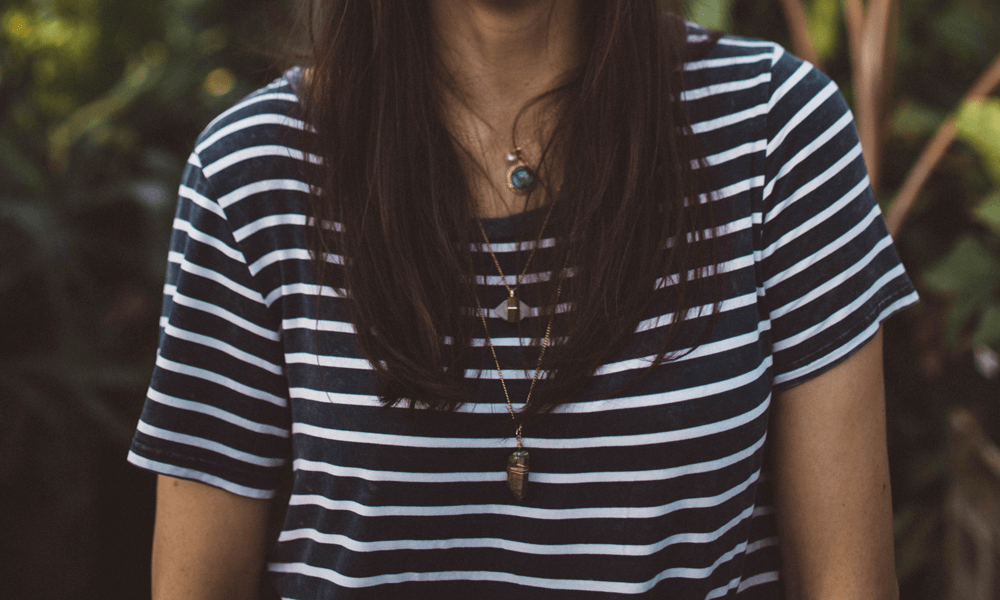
100,101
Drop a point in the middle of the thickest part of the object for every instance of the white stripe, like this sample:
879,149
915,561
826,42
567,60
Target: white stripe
317,325
202,237
188,267
725,88
528,278
224,314
833,282
730,190
702,351
724,267
826,250
252,121
788,84
560,584
193,160
514,246
258,152
712,63
841,314
672,397
816,219
305,289
260,187
512,545
284,97
609,441
271,221
730,119
522,511
615,404
221,346
801,116
699,311
808,150
215,378
848,347
768,577
211,446
183,473
731,41
289,254
209,205
732,153
218,413
817,182
761,544
336,362
719,592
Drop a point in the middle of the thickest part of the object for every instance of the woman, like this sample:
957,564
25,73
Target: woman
528,299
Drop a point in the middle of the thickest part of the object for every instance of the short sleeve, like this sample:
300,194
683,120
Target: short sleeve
217,407
829,272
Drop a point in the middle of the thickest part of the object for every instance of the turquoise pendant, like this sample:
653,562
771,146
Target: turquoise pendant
520,178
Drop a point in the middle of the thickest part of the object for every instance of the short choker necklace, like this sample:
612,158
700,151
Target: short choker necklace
517,462
513,309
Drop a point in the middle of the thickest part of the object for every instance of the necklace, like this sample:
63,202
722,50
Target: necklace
513,309
517,463
520,177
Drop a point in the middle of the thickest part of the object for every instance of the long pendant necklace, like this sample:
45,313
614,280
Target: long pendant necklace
518,466
520,179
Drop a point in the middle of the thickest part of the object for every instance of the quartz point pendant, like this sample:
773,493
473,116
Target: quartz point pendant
511,310
517,474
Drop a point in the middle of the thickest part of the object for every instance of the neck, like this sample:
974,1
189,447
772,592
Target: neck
502,53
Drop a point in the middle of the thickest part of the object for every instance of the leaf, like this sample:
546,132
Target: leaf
959,315
22,171
988,213
915,119
824,27
987,331
713,14
969,269
978,124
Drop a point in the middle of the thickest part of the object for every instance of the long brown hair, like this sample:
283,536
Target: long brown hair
394,180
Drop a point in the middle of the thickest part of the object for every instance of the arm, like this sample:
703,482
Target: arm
832,483
208,543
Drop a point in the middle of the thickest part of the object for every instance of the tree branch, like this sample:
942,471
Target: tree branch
935,150
798,27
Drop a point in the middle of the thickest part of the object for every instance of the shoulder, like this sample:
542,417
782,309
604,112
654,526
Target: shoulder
266,124
762,72
252,160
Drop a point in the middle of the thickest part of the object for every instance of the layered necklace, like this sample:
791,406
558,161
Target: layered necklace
520,179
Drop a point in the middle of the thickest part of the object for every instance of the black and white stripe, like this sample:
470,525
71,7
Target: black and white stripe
661,491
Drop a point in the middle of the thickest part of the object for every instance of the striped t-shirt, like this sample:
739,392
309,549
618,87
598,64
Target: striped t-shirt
658,491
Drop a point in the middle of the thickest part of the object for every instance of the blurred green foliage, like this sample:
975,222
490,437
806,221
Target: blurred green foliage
940,354
100,102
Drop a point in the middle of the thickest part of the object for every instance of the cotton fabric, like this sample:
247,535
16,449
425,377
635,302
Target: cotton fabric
658,492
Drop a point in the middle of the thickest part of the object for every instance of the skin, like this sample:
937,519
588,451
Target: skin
827,435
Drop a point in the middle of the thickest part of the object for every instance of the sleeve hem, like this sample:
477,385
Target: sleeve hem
838,350
194,474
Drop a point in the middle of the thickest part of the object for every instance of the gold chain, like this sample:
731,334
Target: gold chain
538,240
538,365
